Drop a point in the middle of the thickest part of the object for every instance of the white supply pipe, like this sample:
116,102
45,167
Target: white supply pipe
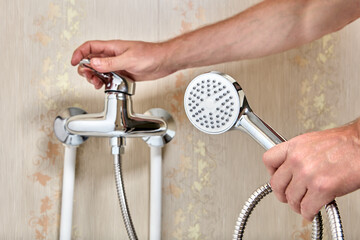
155,192
67,192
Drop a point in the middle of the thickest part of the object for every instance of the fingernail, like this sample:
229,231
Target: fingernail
95,61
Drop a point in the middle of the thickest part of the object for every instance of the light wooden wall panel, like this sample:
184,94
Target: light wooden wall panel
206,178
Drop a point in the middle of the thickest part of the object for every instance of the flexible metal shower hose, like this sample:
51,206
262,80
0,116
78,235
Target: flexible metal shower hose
122,198
332,212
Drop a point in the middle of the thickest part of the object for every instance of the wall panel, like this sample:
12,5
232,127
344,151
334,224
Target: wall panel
206,178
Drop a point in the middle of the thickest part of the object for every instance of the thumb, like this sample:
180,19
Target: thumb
108,64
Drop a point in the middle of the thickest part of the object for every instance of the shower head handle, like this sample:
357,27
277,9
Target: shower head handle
113,81
215,103
260,131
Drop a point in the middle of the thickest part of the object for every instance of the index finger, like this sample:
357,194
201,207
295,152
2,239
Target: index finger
92,47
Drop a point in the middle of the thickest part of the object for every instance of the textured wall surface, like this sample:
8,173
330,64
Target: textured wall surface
206,178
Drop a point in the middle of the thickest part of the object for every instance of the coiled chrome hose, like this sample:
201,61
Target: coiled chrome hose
332,212
317,227
249,206
122,198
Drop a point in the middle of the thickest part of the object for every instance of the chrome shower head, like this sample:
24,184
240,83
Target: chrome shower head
215,103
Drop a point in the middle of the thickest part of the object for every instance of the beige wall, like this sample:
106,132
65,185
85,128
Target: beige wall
206,178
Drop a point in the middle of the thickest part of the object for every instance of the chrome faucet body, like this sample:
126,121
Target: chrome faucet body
118,118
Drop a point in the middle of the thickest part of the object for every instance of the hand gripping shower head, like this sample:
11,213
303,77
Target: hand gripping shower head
215,103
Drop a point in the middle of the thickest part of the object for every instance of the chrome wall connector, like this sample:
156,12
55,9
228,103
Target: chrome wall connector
160,141
62,134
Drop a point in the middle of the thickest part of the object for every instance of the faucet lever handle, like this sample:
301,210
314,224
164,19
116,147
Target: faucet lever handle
113,81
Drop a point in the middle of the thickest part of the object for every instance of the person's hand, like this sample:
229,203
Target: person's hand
310,170
137,60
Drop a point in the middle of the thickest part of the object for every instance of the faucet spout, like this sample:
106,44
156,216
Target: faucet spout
117,120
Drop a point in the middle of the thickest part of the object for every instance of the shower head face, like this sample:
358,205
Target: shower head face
213,102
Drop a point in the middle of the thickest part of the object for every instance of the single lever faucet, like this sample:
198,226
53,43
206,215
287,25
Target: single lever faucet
118,119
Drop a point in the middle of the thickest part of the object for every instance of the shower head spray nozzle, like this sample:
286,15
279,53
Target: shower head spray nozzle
215,103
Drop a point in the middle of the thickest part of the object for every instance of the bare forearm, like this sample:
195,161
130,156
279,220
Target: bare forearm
269,27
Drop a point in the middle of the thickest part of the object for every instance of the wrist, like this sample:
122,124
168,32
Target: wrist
356,124
356,144
176,56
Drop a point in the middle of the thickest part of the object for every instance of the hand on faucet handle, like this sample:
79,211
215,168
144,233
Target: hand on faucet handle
113,82
104,77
